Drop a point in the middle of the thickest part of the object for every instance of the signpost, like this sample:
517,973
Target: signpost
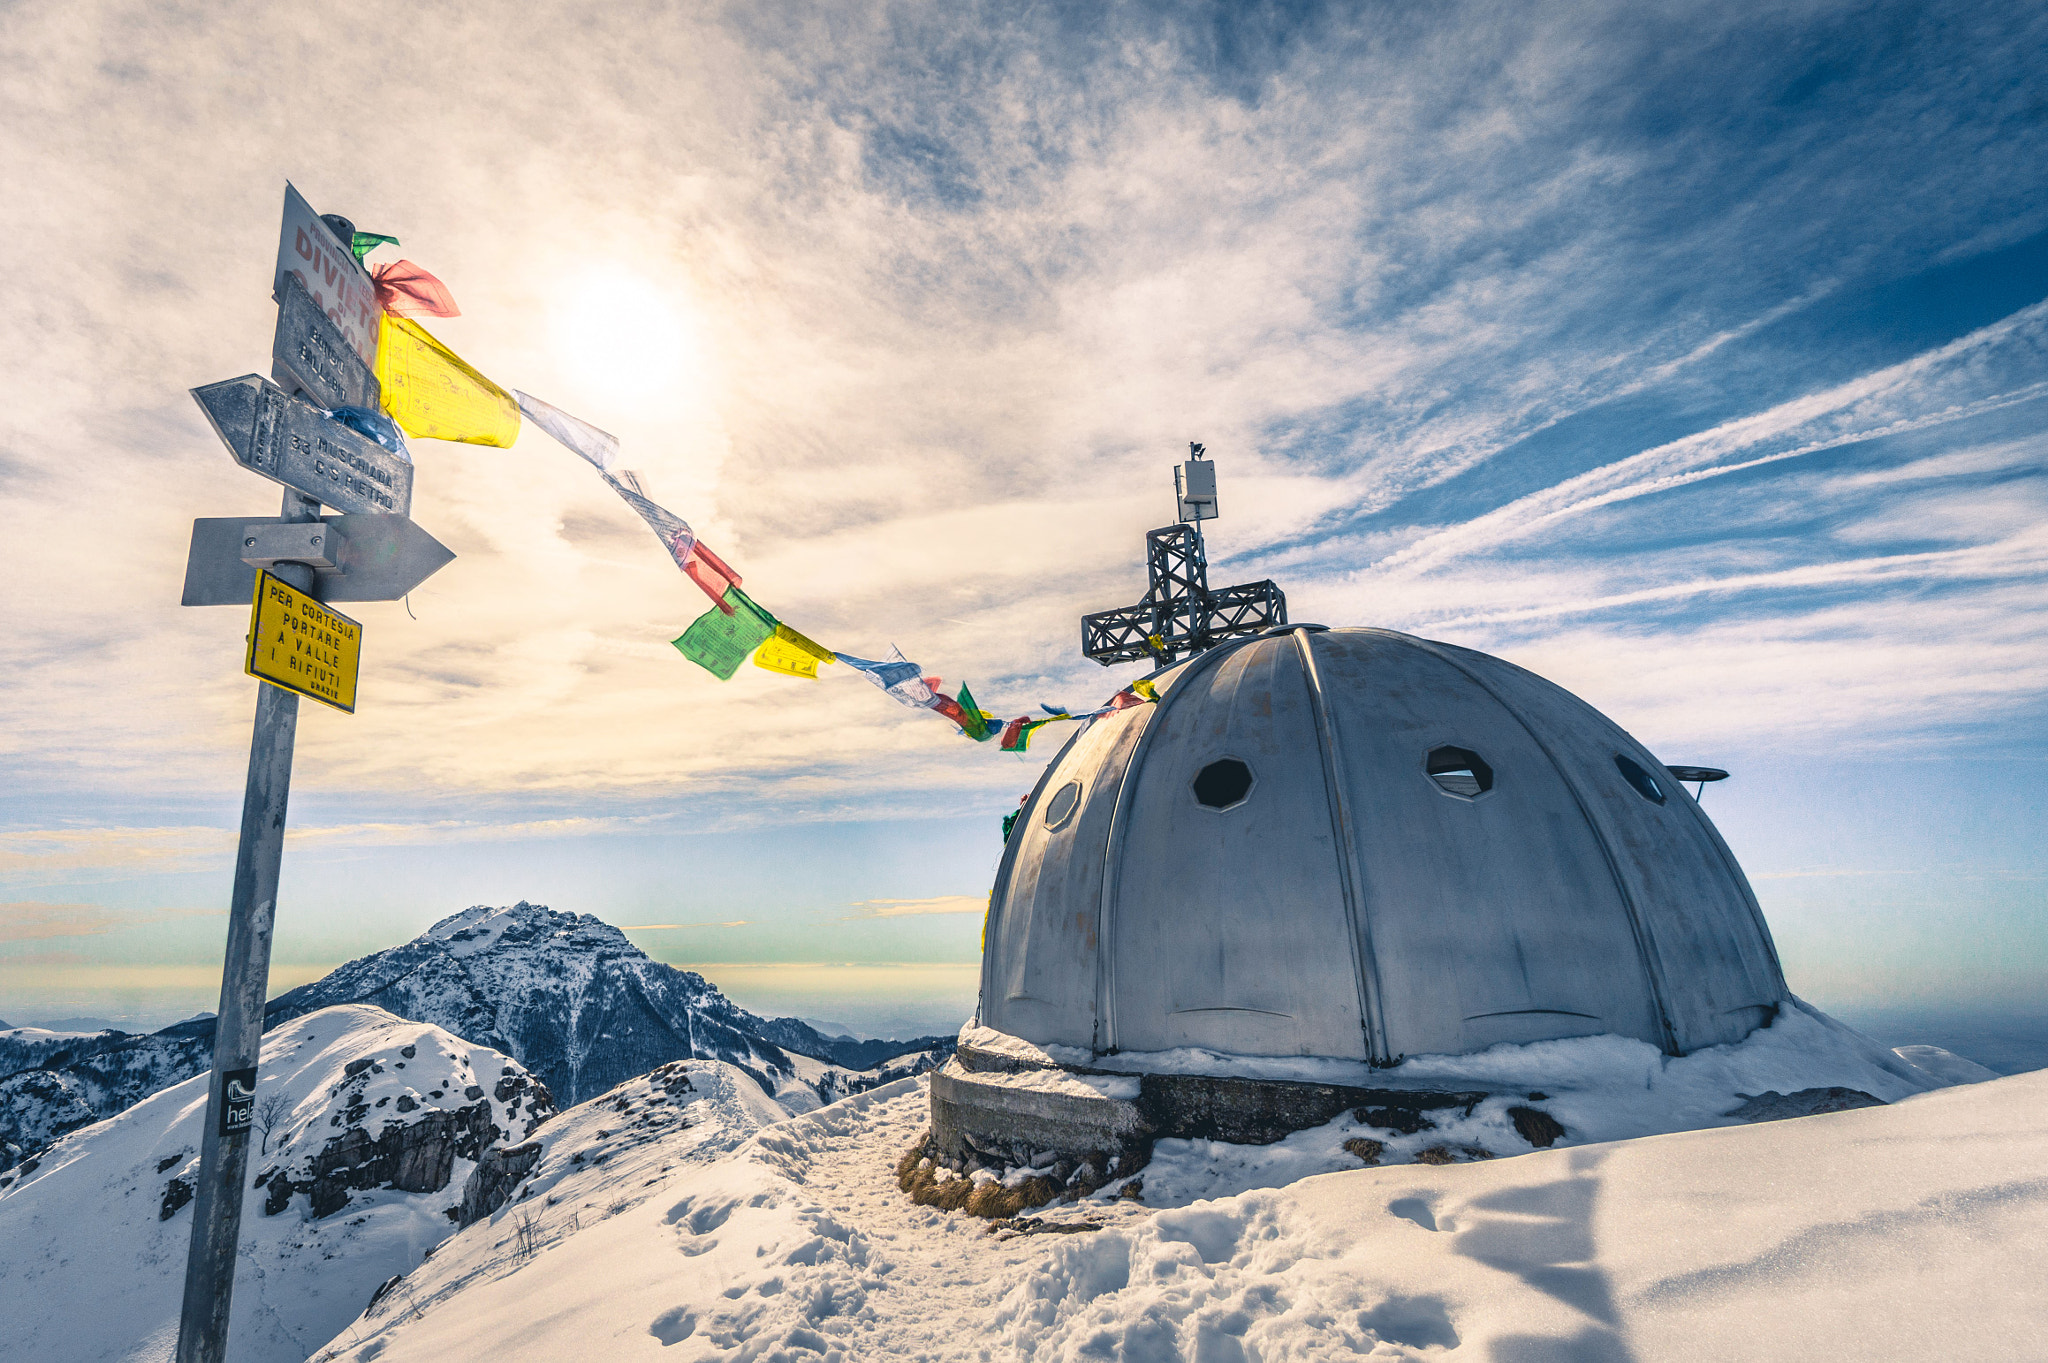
326,267
316,353
356,557
299,644
287,567
290,441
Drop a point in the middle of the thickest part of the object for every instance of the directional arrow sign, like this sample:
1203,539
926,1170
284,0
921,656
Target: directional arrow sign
313,351
291,441
379,558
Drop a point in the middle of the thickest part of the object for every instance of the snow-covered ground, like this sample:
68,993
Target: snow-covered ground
1913,1230
93,1238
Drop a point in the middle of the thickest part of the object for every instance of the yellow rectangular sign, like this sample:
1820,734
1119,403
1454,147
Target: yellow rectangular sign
301,645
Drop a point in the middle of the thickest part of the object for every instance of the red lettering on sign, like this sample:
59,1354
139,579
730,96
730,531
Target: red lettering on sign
303,245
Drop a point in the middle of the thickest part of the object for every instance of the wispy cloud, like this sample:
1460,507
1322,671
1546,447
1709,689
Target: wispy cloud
1941,387
54,850
35,920
913,908
957,285
656,927
46,852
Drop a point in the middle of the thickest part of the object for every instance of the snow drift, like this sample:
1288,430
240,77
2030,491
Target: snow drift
1880,1232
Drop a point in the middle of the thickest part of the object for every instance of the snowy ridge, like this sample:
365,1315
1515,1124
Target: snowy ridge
368,1127
594,1162
1712,1244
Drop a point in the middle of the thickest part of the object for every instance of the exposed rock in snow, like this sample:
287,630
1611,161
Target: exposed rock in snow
1772,1106
592,1163
367,1128
36,1107
1929,1231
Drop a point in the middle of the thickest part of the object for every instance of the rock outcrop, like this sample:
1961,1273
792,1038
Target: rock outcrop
403,1129
496,1175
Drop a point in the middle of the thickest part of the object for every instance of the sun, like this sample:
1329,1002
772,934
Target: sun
630,340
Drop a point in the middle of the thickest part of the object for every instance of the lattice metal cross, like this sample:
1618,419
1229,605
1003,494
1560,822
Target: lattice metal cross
1180,616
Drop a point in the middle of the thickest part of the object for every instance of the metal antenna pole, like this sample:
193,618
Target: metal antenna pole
244,988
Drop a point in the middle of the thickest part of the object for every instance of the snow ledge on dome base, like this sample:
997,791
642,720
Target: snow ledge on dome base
1047,1124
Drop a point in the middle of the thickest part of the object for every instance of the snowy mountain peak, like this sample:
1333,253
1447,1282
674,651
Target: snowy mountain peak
482,927
566,994
573,999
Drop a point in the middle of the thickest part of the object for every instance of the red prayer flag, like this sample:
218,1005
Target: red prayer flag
405,290
710,572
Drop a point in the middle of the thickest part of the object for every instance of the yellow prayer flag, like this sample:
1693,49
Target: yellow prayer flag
795,640
430,392
791,654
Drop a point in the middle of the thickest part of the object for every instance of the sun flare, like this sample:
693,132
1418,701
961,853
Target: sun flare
629,339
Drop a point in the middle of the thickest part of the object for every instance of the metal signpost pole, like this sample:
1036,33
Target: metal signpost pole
244,988
290,432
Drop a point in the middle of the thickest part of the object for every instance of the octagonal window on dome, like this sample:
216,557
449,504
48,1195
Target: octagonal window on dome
1645,784
1060,807
1459,771
1223,784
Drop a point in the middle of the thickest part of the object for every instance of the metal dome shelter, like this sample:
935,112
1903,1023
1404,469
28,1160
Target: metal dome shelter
1265,863
1348,844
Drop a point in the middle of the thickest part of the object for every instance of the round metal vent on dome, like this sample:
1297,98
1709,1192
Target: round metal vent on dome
1645,784
1459,771
1223,784
1061,807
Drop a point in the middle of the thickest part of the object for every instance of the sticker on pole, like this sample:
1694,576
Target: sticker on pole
237,1101
299,644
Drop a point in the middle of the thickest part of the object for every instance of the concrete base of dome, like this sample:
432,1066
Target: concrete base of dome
997,1112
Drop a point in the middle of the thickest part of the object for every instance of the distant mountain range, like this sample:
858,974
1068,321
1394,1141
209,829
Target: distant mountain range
566,995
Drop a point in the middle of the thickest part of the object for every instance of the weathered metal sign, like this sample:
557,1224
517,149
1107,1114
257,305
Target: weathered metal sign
367,558
314,352
290,441
301,645
337,283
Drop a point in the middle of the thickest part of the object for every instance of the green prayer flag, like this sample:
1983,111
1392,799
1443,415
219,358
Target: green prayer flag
719,642
976,723
366,242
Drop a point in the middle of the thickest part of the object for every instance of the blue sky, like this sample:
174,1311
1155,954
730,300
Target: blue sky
1695,357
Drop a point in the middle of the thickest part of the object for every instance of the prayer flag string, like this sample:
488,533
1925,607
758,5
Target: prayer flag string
429,391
